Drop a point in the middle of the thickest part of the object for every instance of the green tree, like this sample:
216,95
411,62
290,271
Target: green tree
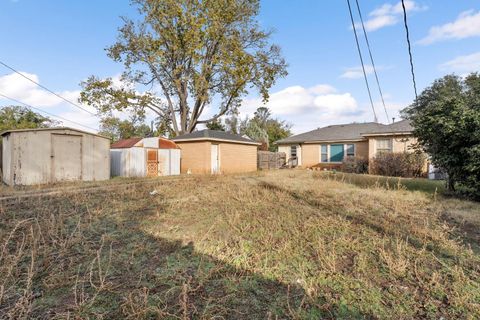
215,125
446,121
117,129
17,117
268,128
194,52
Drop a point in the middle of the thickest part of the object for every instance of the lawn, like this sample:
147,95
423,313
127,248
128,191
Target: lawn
282,244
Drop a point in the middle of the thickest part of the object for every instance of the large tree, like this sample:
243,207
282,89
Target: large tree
185,56
17,117
446,121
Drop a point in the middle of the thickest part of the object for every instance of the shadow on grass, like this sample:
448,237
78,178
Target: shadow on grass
108,267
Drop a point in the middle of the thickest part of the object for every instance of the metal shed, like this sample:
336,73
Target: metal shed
140,157
47,155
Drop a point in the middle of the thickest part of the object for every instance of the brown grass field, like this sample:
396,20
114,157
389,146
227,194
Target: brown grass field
272,245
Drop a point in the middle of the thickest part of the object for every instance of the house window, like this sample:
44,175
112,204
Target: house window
350,150
324,153
384,145
293,151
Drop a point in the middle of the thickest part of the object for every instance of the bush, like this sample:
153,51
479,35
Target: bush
354,165
400,164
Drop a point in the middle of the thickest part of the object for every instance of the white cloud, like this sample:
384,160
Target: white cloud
17,87
463,64
356,72
389,14
466,25
309,108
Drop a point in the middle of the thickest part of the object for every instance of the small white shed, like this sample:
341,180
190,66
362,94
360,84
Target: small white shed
141,157
37,156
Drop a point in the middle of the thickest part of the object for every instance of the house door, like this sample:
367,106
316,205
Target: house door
215,159
66,157
152,163
336,153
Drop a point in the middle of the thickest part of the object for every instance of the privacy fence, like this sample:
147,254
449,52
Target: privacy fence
271,160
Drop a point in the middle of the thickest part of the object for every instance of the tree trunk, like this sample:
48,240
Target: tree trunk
450,183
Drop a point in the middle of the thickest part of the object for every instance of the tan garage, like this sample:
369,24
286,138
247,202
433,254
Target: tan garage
211,151
37,156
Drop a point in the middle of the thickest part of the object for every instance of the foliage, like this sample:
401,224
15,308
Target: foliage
446,120
117,129
17,117
355,165
282,245
398,164
215,125
193,52
262,128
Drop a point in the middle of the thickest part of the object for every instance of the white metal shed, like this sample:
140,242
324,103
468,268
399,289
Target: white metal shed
37,156
140,157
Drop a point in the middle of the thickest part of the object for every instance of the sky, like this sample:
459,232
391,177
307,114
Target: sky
60,43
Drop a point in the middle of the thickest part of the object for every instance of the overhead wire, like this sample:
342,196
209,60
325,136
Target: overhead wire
409,48
361,61
47,89
46,112
372,61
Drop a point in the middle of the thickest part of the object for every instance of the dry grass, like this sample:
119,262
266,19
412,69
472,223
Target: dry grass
285,244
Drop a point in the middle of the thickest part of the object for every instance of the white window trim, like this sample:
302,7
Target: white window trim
390,143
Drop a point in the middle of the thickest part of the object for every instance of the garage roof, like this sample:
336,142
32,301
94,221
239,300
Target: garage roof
214,135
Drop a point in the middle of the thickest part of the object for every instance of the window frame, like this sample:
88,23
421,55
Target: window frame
322,153
347,153
384,150
294,147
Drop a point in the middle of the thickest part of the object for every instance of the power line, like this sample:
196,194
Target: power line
50,114
409,48
361,60
45,88
373,63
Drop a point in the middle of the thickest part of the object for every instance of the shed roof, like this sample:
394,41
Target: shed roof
125,143
131,142
214,135
3,133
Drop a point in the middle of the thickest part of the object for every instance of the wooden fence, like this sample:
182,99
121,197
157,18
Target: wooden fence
270,160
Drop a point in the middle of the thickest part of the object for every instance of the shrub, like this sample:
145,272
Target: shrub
401,164
355,165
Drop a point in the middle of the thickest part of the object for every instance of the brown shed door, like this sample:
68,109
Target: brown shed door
67,157
152,163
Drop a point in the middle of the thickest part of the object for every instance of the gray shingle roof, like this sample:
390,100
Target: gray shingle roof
396,127
351,131
213,135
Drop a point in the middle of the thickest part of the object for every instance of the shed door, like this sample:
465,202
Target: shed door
152,163
66,157
214,159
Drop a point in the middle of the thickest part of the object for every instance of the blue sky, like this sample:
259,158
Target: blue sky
60,43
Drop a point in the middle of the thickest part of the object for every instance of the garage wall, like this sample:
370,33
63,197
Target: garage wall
236,157
195,156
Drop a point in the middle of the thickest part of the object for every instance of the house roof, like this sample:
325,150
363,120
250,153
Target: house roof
125,143
352,131
3,133
131,142
214,135
349,132
402,126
